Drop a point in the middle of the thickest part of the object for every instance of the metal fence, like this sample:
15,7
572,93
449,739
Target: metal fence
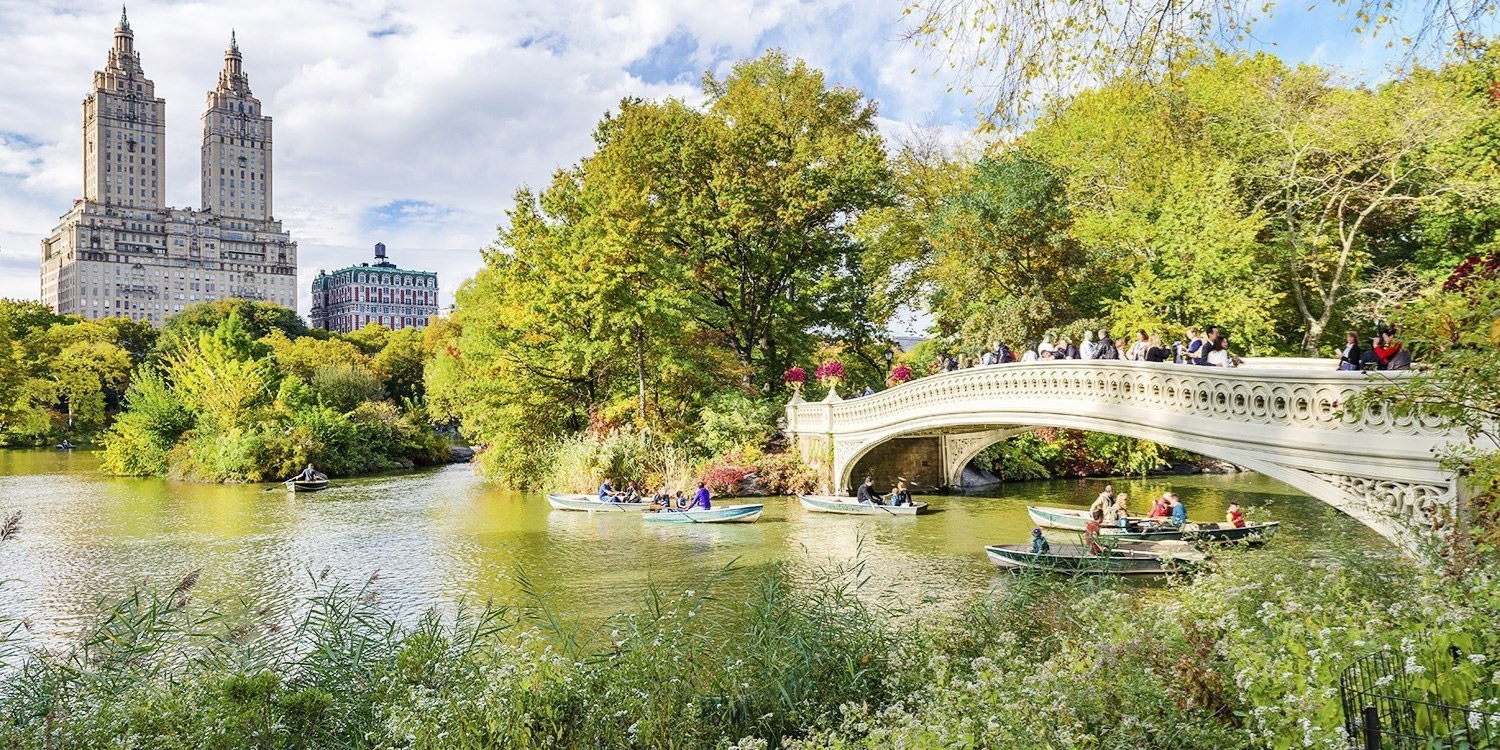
1381,712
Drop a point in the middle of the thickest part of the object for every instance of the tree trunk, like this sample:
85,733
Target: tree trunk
640,371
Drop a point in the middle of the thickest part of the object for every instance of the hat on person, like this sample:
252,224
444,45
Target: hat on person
1036,532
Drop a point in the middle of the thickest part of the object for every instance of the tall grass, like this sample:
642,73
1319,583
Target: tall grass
778,656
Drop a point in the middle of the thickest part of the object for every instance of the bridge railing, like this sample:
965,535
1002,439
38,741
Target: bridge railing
1282,393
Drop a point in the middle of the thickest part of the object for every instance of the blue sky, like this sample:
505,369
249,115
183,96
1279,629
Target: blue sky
412,122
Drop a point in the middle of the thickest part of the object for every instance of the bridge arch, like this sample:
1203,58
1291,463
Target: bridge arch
1283,419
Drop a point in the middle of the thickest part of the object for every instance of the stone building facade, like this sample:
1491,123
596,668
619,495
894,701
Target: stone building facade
351,298
120,252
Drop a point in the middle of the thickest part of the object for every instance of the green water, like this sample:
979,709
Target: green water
441,535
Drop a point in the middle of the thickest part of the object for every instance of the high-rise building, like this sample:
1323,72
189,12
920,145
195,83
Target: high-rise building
119,252
351,298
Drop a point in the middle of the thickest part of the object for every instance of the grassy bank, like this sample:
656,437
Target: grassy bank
1245,657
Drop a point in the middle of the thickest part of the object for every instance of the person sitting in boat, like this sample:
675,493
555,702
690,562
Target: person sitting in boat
900,495
867,494
1122,511
660,501
681,501
1162,508
1179,511
632,493
1098,511
1039,544
307,475
1235,516
701,498
65,445
1091,537
607,493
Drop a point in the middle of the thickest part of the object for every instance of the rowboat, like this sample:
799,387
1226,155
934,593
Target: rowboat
730,514
592,504
1059,518
848,505
318,482
1207,533
1121,558
1077,520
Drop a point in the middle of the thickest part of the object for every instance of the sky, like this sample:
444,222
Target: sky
413,122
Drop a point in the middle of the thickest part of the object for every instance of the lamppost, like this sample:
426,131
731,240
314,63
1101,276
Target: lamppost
890,355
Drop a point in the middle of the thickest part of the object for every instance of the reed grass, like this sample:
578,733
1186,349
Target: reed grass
785,655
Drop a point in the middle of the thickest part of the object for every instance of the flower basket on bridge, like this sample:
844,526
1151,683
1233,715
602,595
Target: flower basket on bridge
795,377
831,374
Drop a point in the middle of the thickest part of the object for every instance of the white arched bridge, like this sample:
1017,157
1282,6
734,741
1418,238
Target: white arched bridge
1282,418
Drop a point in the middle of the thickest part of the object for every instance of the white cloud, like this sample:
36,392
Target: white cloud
440,109
409,121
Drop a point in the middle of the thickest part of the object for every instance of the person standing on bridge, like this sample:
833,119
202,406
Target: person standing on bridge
1088,349
1137,350
1065,349
867,493
1107,348
1155,352
1351,354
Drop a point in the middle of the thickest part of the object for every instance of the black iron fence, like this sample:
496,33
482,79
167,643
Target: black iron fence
1383,712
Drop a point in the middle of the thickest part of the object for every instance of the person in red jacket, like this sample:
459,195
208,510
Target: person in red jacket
1235,516
1386,347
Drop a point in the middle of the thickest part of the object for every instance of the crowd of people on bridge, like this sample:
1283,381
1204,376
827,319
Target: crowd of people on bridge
1209,347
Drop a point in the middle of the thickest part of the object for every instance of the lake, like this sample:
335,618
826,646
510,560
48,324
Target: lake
441,535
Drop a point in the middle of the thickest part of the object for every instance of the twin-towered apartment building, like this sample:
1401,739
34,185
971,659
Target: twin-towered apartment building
120,252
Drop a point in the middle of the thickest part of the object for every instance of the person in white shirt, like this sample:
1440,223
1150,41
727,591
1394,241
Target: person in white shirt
1088,349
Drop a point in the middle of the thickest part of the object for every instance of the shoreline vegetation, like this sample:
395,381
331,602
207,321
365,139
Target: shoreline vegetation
782,656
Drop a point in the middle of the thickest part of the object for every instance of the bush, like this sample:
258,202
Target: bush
732,420
785,473
343,385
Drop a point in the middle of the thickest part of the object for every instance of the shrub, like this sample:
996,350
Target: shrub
732,420
785,473
344,385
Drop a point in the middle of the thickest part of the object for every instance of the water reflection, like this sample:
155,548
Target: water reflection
441,535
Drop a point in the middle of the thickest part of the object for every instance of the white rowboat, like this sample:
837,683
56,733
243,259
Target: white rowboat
851,506
593,504
730,514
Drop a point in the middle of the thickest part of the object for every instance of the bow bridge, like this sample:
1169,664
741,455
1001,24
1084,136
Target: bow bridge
1281,417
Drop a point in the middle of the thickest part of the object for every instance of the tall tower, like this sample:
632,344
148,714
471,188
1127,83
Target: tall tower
124,131
236,146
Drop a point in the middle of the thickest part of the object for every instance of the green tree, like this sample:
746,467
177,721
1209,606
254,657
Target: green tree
1016,54
400,365
343,386
223,377
1004,254
1340,162
761,203
257,318
303,356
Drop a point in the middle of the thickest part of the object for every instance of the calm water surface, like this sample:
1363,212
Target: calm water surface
441,535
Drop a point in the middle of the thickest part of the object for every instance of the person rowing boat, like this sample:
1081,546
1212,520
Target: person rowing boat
867,493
